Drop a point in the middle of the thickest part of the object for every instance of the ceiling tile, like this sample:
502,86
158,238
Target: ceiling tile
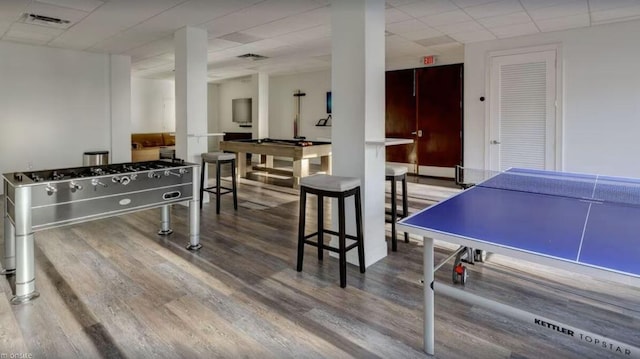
563,23
321,31
468,3
24,39
258,14
109,20
398,45
407,26
537,4
153,48
449,17
475,36
497,8
291,23
82,5
448,48
619,14
428,7
189,13
421,34
264,45
35,29
397,3
568,8
221,44
468,26
11,10
440,40
516,18
515,30
34,33
394,15
601,5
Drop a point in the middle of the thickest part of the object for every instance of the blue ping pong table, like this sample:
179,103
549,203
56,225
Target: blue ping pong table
583,223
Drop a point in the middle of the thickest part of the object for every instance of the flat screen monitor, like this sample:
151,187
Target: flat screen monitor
329,102
241,108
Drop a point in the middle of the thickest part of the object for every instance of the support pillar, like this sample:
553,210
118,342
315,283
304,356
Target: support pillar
191,92
357,77
263,106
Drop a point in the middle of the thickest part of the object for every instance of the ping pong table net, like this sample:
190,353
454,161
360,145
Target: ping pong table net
561,184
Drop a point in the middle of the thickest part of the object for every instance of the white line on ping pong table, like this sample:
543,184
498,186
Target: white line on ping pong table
584,230
595,185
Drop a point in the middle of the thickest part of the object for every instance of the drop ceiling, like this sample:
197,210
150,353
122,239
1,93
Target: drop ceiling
293,35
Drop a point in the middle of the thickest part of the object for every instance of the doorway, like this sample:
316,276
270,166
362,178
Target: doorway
425,104
523,114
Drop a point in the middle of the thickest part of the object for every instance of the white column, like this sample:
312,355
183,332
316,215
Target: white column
120,81
191,92
213,116
263,106
357,77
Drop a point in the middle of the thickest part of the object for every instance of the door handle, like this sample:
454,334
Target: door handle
419,133
495,142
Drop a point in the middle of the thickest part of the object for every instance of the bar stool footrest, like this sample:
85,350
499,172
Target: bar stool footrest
330,248
212,190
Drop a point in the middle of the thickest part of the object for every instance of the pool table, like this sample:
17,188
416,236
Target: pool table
299,150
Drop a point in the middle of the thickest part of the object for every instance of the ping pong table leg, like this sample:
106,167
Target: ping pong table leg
429,303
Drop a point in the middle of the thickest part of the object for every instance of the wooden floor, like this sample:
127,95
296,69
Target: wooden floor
113,288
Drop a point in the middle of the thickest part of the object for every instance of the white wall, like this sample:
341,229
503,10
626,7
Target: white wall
152,105
243,87
601,77
54,105
120,88
282,104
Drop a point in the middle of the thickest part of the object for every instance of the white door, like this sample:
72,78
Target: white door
522,101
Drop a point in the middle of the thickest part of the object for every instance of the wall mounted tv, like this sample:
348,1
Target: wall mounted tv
241,111
329,102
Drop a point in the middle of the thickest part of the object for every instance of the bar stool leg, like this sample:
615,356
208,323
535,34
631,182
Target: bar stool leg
405,204
202,184
301,221
342,253
394,215
217,187
234,184
320,226
359,231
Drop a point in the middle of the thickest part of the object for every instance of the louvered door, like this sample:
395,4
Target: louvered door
523,111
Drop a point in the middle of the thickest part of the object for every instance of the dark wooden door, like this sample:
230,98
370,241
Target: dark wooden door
400,118
439,115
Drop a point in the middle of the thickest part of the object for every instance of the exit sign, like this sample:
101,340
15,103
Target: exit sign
429,60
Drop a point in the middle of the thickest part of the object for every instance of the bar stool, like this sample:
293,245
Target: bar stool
394,174
219,158
323,185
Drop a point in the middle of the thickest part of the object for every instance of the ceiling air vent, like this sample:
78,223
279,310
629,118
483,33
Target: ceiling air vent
252,57
43,20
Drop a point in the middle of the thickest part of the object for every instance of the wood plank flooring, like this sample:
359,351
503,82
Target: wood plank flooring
113,288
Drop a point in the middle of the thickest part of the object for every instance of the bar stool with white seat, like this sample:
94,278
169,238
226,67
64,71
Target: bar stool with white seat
323,185
395,173
219,158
